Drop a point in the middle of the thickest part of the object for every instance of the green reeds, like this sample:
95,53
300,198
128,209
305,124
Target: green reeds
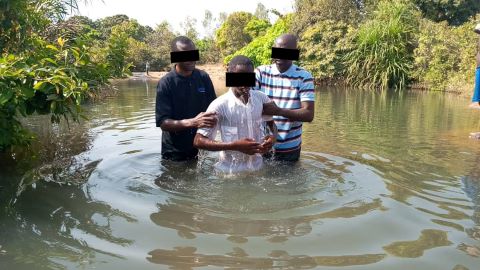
382,55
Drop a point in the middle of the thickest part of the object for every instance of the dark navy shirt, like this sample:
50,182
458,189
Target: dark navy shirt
179,98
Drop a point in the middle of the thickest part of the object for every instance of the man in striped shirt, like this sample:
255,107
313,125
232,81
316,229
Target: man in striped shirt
291,88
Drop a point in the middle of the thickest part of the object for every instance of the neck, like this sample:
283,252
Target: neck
282,71
182,72
243,98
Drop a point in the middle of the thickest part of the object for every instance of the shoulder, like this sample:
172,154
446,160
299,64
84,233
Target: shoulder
263,68
303,73
202,74
219,101
258,94
165,80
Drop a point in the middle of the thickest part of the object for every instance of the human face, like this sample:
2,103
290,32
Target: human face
186,66
283,43
242,92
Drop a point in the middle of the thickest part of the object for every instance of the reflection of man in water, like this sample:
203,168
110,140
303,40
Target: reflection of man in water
147,67
240,123
183,95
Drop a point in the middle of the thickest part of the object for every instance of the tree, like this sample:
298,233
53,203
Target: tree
256,27
456,12
322,47
231,36
189,28
260,49
158,43
261,12
443,57
207,23
310,12
106,24
117,45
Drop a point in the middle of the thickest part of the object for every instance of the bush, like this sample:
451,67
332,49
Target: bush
323,46
382,55
260,49
444,58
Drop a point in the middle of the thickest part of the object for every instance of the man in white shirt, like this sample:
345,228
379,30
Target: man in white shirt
240,123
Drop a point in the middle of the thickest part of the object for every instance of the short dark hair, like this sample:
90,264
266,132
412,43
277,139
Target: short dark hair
239,60
181,39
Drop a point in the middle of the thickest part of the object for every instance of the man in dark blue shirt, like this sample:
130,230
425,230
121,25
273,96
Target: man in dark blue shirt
183,95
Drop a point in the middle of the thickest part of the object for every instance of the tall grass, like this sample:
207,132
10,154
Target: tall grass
382,54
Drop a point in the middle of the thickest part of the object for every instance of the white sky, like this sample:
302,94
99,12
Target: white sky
152,12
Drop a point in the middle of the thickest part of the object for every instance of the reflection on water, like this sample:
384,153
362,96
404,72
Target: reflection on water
386,181
187,258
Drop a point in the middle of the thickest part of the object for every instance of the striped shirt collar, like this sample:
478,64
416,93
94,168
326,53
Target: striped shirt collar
275,71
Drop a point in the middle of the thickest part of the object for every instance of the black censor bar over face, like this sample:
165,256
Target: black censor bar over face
287,54
184,56
240,79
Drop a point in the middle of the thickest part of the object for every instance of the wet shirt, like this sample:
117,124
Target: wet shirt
287,90
236,121
179,98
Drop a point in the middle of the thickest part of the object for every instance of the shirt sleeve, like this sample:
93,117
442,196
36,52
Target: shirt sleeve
307,89
211,132
265,99
163,104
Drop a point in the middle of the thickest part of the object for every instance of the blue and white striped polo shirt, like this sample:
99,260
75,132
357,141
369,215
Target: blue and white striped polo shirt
287,90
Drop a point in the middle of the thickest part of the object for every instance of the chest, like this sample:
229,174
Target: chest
190,97
282,86
241,115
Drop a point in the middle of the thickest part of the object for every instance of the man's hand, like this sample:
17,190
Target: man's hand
204,120
247,146
268,143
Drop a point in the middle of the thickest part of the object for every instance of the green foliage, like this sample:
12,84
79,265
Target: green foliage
444,58
383,47
310,12
456,12
117,45
53,79
231,36
323,46
158,43
257,27
260,49
209,53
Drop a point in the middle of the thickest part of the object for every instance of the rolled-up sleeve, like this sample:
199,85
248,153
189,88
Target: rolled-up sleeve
163,103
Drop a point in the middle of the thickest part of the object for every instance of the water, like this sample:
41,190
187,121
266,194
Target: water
385,181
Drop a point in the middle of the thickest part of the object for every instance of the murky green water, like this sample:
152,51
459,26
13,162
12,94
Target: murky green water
386,181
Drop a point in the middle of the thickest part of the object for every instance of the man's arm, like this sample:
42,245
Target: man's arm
304,114
246,145
164,112
203,119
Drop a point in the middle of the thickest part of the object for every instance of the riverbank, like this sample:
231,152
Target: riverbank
217,74
214,70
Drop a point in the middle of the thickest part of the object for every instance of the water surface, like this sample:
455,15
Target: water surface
385,181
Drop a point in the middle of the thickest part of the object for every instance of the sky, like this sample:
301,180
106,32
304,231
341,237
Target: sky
153,12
